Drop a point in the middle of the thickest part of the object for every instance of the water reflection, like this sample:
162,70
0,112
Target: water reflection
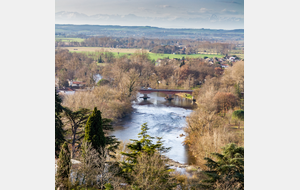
164,118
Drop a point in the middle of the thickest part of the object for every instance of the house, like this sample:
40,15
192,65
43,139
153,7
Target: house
224,65
75,83
231,59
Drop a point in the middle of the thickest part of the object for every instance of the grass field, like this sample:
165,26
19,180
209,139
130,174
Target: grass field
101,49
90,51
239,53
70,39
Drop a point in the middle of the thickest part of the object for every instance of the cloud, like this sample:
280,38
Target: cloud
204,10
229,11
164,6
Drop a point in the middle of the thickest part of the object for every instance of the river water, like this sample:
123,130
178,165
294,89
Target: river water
164,118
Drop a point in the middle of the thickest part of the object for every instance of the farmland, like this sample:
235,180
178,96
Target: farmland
93,51
69,39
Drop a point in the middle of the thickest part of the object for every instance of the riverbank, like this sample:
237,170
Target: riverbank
184,95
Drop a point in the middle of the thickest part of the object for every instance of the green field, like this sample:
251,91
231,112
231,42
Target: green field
69,39
153,55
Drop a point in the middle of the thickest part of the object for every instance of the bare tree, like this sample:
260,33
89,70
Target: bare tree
150,173
95,171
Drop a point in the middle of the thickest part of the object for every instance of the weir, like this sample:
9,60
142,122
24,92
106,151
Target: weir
168,92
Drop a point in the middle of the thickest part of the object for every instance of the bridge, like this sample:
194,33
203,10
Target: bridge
168,92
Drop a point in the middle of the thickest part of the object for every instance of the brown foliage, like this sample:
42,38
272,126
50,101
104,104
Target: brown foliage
150,173
74,66
207,129
224,101
111,102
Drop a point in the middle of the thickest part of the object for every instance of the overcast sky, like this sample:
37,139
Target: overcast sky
216,14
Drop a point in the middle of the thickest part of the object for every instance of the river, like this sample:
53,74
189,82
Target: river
164,118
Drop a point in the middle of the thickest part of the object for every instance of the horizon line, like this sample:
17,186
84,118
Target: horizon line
153,26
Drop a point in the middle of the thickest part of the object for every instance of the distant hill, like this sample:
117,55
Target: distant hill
149,32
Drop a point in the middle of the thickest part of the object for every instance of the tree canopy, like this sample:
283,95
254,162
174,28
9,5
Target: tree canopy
228,167
59,132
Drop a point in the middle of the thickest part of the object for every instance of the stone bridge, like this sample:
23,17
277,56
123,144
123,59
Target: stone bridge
168,92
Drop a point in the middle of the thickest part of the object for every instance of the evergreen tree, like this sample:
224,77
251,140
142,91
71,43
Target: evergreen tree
138,147
94,130
77,120
59,132
63,167
100,60
239,115
229,167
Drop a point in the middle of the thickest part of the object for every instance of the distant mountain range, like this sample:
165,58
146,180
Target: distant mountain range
213,21
148,32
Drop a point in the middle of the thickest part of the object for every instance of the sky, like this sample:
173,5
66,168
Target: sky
213,14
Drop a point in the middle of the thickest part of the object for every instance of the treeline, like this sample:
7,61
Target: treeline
185,73
87,157
192,46
168,74
217,120
74,66
166,49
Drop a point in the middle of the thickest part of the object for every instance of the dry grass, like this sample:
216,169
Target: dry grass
212,141
111,102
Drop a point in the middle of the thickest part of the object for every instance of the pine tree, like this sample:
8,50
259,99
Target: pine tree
229,167
59,132
94,130
138,147
77,120
63,167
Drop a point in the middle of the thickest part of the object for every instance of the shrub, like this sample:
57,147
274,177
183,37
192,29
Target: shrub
103,82
238,114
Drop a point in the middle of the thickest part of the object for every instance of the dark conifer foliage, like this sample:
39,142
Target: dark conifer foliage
142,146
59,132
94,130
77,120
228,167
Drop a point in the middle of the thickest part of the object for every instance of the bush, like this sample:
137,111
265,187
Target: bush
238,114
102,82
